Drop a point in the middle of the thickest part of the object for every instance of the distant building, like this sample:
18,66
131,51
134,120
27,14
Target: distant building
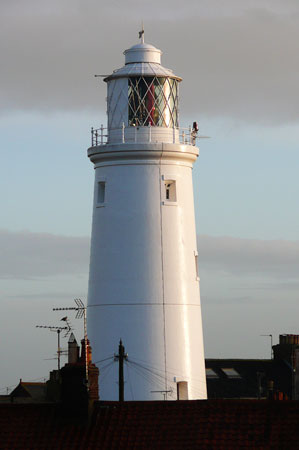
257,378
27,392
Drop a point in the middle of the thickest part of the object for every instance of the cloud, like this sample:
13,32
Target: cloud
278,259
239,59
33,255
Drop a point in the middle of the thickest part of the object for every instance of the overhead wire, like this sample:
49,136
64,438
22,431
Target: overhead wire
152,381
109,367
102,360
174,372
106,365
149,370
170,379
152,378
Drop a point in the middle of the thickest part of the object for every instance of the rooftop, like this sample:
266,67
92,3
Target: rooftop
211,424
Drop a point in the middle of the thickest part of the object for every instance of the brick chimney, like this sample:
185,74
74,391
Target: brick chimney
287,353
76,392
73,350
93,371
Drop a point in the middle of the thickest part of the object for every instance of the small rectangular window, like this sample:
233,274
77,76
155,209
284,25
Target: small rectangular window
170,190
210,373
231,372
101,192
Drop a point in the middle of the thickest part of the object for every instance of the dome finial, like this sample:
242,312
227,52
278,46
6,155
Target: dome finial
141,34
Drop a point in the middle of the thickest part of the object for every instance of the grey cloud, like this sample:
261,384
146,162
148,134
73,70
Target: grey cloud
26,255
44,296
238,59
213,300
291,285
276,259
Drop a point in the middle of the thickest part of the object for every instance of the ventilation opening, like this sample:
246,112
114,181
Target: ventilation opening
182,390
170,190
101,192
196,264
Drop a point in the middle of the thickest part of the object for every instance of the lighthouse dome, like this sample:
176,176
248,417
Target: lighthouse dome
142,59
143,53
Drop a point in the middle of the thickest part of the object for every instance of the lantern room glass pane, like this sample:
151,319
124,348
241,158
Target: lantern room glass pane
153,101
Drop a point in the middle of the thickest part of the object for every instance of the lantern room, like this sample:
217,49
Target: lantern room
141,95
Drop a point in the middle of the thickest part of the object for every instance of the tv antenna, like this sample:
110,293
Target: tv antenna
271,340
58,330
81,312
164,393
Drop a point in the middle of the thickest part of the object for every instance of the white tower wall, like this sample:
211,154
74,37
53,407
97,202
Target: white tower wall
144,285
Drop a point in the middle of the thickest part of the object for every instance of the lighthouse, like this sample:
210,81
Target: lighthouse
143,280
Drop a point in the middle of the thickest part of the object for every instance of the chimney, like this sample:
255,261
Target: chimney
287,353
76,392
93,371
73,350
93,377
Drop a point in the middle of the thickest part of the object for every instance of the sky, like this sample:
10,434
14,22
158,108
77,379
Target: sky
239,60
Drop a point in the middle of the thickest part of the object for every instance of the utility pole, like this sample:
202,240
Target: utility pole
121,357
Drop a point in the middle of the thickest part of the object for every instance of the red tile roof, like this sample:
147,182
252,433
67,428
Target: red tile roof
212,424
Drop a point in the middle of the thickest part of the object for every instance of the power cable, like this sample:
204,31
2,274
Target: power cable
102,360
109,366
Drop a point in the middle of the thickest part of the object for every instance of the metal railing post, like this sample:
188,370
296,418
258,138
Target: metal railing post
150,133
173,134
92,136
123,133
102,134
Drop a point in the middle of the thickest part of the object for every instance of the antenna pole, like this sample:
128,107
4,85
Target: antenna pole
271,342
58,331
58,351
85,343
81,312
164,393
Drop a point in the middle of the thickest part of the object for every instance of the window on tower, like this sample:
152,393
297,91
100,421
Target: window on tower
101,192
153,101
170,190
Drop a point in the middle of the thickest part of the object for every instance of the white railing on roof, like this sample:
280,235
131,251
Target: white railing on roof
100,136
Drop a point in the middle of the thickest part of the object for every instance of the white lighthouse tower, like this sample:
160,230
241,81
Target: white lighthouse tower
143,282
